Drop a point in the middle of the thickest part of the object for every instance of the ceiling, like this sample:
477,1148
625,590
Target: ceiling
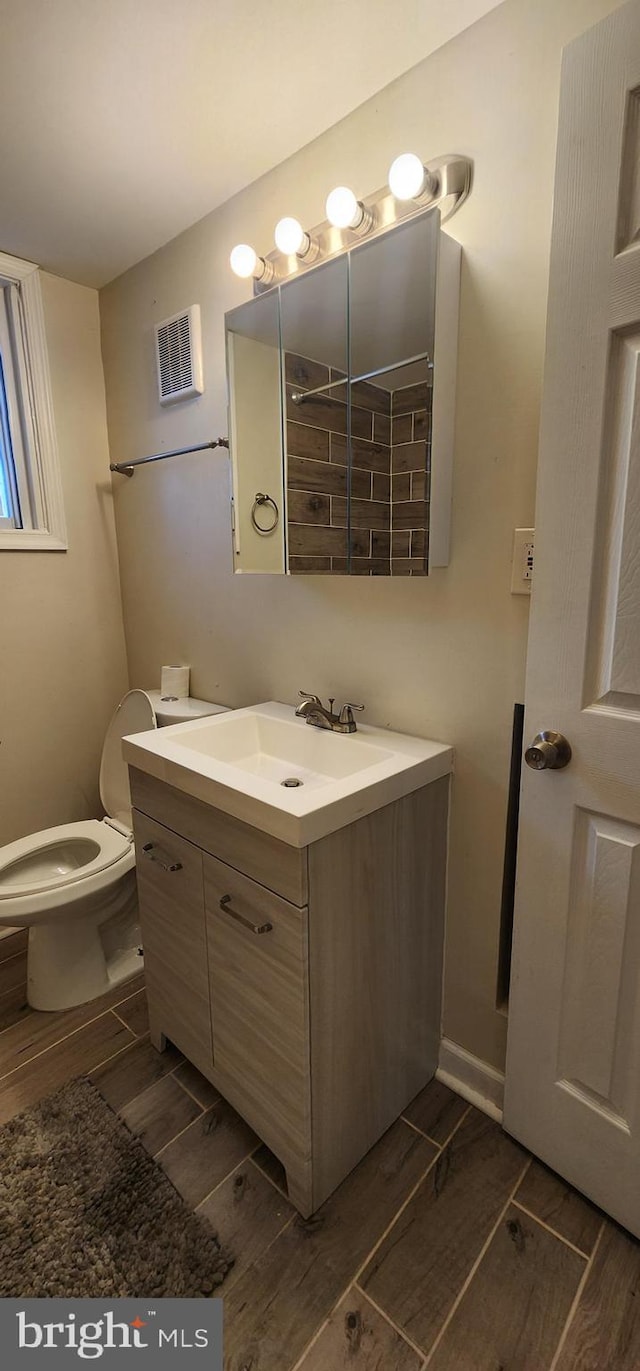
124,121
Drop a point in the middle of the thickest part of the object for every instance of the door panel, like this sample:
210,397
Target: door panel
600,992
573,1067
171,899
258,970
629,206
614,647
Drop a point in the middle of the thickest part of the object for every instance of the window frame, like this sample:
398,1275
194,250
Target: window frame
44,525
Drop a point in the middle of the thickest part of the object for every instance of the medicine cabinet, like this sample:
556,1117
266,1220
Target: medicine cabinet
341,410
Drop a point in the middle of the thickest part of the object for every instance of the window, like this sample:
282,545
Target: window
15,505
31,510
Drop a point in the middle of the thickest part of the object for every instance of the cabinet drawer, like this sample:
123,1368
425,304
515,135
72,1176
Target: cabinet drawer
258,971
275,864
170,893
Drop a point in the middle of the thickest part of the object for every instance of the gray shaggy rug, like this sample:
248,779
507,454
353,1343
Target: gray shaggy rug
84,1211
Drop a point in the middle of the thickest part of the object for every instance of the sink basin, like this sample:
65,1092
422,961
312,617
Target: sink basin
279,749
284,776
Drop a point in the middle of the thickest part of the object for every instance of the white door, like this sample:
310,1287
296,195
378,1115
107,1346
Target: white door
573,1068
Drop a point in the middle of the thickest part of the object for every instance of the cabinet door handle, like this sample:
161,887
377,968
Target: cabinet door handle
225,905
166,866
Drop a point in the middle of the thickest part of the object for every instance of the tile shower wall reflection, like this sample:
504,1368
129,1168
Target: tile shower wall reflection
410,471
389,484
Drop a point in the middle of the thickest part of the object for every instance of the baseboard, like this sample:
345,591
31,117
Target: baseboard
475,1080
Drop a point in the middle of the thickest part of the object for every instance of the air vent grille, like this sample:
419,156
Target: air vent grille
179,356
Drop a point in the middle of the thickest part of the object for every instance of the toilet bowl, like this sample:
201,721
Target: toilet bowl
74,886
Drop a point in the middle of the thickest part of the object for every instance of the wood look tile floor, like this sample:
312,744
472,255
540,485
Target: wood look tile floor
448,1247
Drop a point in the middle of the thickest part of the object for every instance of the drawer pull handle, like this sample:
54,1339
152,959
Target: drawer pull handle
225,905
166,866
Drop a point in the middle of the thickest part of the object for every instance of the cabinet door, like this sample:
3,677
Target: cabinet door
258,970
170,893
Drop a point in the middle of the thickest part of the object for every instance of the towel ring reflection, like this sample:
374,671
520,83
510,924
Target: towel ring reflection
264,500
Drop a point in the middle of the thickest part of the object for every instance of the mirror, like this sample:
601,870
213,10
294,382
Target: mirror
332,380
255,432
315,351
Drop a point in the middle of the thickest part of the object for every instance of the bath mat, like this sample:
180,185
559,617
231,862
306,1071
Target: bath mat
84,1211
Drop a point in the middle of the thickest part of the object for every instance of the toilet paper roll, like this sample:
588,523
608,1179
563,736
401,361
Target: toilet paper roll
174,680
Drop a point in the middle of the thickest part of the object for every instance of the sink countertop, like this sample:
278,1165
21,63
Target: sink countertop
237,761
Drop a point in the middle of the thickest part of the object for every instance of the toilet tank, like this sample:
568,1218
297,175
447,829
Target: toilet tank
170,711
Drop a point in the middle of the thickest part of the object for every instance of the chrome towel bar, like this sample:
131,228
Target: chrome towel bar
126,468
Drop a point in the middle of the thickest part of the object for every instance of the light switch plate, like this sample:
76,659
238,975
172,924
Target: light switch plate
522,561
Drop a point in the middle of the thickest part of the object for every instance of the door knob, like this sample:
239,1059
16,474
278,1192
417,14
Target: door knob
549,751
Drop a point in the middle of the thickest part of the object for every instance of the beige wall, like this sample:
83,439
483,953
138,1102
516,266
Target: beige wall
63,661
442,658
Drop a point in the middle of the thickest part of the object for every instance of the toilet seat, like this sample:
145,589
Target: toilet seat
59,856
50,869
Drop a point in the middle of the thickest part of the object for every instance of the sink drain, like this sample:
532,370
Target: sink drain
292,782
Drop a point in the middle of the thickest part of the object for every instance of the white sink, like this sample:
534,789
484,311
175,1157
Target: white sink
280,748
239,763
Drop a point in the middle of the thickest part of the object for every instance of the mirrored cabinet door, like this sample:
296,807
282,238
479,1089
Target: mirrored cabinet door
255,435
392,294
314,327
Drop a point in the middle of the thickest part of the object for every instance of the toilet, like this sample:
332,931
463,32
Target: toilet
74,886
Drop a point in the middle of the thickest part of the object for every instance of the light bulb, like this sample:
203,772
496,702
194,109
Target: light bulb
243,260
290,237
407,177
342,209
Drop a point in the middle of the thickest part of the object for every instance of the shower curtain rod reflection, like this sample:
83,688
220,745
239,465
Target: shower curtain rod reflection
126,468
299,396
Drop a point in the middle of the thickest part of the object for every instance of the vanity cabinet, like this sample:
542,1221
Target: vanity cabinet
305,983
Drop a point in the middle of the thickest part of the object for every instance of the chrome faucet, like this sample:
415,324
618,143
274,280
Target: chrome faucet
313,710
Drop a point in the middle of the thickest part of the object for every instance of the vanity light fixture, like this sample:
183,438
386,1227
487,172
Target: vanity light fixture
344,211
244,261
292,240
412,188
409,179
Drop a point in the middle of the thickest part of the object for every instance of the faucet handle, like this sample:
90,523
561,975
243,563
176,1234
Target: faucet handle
309,695
346,717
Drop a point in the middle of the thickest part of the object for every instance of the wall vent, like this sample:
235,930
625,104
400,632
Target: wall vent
179,356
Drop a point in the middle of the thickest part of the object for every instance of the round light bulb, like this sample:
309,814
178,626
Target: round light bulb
290,236
407,176
243,260
342,209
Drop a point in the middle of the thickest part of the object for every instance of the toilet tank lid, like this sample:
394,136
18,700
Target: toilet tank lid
181,711
134,714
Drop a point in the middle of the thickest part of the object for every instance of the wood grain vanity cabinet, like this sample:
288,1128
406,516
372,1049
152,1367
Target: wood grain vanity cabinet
305,983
